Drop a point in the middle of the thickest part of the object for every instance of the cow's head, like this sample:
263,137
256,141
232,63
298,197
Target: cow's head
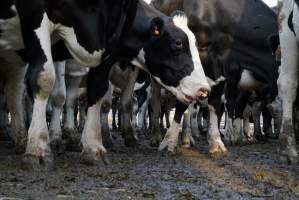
171,57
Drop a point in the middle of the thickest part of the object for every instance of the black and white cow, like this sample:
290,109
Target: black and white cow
229,32
288,78
126,30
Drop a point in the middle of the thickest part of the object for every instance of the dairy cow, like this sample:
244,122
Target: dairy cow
228,33
125,30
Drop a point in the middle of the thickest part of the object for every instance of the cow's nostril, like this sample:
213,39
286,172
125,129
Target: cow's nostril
202,93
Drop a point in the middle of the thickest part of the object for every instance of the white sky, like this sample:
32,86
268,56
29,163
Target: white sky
271,3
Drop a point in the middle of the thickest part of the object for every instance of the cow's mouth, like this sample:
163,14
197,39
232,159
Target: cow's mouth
188,99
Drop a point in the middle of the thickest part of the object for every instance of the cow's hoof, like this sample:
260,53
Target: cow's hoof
37,163
108,143
217,149
187,141
58,146
72,139
171,145
93,158
20,145
131,142
155,141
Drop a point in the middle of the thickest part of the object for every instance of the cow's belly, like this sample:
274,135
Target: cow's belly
248,82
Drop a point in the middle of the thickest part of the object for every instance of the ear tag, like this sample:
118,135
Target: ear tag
156,31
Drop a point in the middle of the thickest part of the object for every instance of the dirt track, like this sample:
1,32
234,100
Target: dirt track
247,172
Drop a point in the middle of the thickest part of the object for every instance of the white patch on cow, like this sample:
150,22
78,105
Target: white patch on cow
58,96
92,135
148,1
197,79
295,20
79,53
73,68
248,82
171,138
38,137
288,77
138,86
11,35
213,83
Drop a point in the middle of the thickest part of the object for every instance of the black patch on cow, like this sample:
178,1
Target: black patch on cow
180,108
5,11
273,42
290,23
98,82
297,2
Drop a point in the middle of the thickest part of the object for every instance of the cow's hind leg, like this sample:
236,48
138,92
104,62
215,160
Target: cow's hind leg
41,76
57,100
126,100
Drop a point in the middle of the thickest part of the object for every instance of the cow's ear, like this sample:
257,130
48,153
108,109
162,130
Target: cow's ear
157,25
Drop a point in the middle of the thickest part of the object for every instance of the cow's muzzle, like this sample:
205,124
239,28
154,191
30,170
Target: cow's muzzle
202,93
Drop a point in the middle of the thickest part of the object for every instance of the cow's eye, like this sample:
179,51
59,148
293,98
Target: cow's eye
179,44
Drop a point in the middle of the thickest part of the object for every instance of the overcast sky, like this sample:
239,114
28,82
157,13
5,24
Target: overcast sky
271,3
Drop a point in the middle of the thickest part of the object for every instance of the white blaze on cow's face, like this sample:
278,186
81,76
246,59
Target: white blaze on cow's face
197,79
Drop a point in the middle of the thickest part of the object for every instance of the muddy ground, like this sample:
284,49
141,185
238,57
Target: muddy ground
247,172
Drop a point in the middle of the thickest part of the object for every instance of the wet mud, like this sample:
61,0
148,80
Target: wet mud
246,172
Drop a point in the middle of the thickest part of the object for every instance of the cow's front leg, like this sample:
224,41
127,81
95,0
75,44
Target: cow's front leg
126,109
154,112
187,139
216,145
97,87
15,90
170,140
41,75
105,109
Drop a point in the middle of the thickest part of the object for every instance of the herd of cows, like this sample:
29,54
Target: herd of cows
201,57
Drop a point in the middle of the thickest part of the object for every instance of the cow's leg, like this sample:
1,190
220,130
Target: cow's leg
69,128
288,81
246,124
82,104
216,145
41,73
4,122
256,114
187,139
267,125
276,112
97,87
193,110
114,111
106,105
154,112
126,100
57,101
170,141
134,113
142,117
15,91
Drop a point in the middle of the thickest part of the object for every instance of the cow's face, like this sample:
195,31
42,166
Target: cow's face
173,60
